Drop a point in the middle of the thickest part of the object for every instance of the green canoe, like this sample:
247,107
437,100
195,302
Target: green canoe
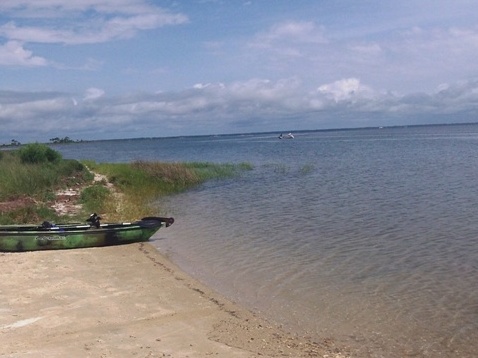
47,236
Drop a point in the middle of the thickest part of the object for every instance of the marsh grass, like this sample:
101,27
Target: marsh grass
141,183
34,178
278,168
164,178
307,169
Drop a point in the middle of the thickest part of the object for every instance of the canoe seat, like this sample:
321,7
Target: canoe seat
47,225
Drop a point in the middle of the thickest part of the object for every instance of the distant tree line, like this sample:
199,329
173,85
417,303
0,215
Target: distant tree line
61,140
13,143
56,140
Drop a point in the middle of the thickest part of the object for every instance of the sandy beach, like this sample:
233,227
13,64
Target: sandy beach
128,301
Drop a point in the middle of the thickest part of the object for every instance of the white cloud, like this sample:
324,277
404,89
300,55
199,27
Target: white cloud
302,32
93,93
13,54
75,23
345,89
393,58
51,8
290,39
367,49
264,90
431,55
343,103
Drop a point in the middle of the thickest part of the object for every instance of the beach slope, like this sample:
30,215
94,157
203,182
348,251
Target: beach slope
127,301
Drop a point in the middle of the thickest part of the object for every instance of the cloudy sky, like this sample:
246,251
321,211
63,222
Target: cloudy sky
104,69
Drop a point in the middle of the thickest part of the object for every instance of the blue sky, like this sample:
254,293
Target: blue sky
104,69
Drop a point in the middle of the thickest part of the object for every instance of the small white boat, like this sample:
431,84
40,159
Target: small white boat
287,136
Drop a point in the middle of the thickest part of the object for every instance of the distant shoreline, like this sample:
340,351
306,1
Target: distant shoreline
253,133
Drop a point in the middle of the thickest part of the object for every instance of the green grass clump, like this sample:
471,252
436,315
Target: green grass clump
307,169
94,198
207,171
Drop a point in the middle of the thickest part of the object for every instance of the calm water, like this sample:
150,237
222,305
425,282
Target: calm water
366,236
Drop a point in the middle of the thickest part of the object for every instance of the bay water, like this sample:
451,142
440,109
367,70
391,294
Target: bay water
365,236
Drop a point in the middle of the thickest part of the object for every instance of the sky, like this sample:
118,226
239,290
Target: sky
112,69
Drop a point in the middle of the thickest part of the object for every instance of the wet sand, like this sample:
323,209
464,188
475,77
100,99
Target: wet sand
128,301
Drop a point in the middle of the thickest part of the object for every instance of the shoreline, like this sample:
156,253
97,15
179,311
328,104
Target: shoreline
129,300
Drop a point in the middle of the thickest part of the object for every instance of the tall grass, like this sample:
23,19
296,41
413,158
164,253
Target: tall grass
36,178
142,183
161,178
36,172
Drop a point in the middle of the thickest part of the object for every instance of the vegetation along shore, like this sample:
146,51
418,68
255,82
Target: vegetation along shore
38,184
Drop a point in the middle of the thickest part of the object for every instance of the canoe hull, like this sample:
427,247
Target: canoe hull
71,237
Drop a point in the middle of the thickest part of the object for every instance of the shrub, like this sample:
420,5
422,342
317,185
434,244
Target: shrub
37,153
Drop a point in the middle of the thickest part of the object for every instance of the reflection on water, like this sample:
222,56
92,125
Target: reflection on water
367,236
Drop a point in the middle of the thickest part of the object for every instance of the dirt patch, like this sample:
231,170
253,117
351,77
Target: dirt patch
67,201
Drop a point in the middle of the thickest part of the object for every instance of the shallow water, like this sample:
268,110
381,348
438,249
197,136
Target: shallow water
367,236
